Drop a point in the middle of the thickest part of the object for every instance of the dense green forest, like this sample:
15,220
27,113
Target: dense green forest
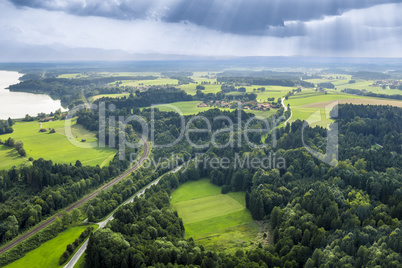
32,193
320,216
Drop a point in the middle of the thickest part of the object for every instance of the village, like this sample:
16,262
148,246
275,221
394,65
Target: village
252,105
391,84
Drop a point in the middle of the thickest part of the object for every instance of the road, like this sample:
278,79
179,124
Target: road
85,199
285,108
102,224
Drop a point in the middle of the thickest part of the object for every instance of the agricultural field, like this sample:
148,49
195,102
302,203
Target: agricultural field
264,114
341,84
272,92
201,77
216,221
49,253
186,107
56,146
191,88
74,75
308,102
97,97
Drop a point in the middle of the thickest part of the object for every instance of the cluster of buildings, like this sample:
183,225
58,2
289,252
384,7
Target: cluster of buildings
333,78
392,84
253,105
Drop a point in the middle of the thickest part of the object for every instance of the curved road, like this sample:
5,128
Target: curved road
285,108
102,224
49,221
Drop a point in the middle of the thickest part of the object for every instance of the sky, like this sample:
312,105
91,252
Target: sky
49,29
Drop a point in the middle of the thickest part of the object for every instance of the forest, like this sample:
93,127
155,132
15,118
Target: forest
320,216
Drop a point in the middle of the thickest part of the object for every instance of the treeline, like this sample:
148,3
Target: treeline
371,94
154,95
285,81
71,247
171,74
369,75
102,90
18,146
326,85
6,126
306,84
265,74
32,193
230,88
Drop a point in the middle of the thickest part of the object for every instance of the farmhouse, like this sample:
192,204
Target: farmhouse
202,105
46,119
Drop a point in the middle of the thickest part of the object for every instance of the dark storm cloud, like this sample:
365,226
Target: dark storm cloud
245,17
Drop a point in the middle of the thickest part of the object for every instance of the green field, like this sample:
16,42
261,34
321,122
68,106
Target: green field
214,220
97,97
56,146
341,84
190,88
49,253
186,107
74,75
9,157
307,105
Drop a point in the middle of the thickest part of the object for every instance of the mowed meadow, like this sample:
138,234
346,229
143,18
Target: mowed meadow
216,221
310,105
56,146
49,253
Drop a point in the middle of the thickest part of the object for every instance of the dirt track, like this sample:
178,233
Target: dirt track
49,221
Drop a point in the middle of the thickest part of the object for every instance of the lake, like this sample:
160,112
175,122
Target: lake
18,104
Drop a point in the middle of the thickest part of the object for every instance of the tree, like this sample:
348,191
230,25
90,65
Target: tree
65,219
75,215
90,213
57,223
22,152
10,122
10,142
12,225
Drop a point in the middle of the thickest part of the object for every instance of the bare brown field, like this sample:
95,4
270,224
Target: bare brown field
357,102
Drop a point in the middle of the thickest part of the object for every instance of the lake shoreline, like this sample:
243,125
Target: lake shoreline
16,104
